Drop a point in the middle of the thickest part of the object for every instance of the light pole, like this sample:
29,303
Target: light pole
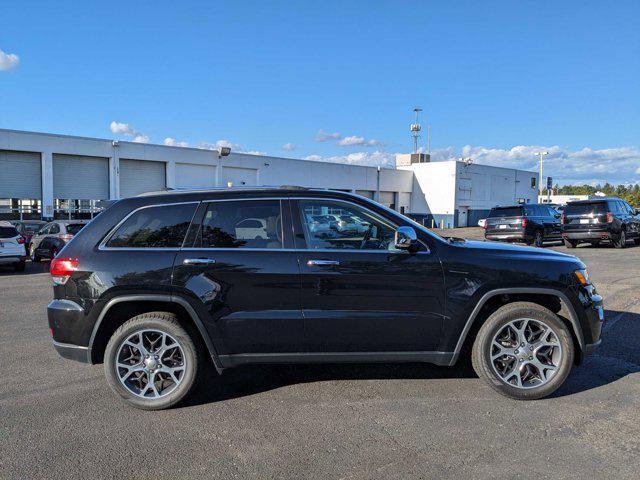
541,155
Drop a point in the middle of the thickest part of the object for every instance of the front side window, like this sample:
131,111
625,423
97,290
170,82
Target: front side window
154,227
54,229
241,224
335,225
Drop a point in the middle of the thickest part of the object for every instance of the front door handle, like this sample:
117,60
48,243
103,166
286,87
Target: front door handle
318,263
198,261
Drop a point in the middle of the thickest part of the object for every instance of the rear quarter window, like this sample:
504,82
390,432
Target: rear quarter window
154,227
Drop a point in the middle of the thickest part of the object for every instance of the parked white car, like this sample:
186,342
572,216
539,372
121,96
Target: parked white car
251,228
12,252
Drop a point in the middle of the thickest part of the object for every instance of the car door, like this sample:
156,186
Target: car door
246,285
360,294
552,222
631,219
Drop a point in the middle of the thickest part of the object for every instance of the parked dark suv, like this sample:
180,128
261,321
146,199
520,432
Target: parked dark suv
597,220
160,285
532,224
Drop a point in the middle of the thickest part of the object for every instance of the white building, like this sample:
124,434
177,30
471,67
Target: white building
52,175
562,199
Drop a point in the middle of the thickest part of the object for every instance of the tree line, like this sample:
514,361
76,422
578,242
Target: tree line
628,192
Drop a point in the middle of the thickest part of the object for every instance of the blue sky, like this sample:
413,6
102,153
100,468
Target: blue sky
497,80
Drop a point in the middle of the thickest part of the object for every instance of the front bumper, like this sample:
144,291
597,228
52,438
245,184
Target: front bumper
594,312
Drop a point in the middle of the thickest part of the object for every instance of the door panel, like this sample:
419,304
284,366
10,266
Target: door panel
248,284
357,296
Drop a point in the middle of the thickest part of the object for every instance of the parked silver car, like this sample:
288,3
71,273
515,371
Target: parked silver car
50,239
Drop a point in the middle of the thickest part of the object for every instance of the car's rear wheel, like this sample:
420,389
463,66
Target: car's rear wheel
523,351
538,239
151,361
570,243
621,242
32,254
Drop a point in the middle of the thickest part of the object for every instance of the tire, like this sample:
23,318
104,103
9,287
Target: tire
186,361
528,387
595,244
34,258
19,267
570,243
621,242
538,239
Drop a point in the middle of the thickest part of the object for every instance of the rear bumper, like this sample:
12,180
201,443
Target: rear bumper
66,318
8,259
72,352
588,235
511,236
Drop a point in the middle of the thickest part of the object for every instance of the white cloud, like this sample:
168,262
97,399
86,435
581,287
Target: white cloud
172,142
236,148
587,165
377,158
8,61
288,147
323,136
127,130
360,141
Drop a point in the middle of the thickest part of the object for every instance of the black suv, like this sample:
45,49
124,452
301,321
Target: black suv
603,219
533,224
159,286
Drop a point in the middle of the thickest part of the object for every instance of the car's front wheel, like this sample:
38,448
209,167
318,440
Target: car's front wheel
523,351
151,361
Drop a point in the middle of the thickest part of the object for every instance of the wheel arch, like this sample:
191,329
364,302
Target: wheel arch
476,318
119,309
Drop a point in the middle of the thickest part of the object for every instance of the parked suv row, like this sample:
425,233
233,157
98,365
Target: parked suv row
532,224
600,220
159,285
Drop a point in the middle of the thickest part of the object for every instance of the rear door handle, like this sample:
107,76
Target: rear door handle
198,261
318,263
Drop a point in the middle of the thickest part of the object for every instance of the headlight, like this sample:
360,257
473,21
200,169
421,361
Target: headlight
582,276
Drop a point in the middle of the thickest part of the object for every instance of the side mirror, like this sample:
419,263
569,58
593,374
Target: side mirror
405,238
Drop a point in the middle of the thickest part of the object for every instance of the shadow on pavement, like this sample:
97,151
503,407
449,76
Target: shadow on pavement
616,358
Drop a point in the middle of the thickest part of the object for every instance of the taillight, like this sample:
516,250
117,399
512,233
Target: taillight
62,268
20,240
609,217
563,219
524,222
65,237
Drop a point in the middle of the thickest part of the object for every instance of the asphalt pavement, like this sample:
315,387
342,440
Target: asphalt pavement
58,419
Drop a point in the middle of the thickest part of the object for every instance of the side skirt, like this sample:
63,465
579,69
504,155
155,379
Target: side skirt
436,358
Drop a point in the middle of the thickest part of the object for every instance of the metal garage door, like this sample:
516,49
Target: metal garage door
20,175
367,193
80,177
140,176
388,199
195,176
239,177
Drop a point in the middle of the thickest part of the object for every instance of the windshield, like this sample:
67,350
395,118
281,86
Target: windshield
585,208
506,212
74,228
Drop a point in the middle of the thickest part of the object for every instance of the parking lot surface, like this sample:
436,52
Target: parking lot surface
58,419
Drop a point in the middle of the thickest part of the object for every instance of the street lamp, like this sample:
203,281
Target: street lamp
541,155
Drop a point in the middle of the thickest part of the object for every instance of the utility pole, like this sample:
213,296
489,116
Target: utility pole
541,155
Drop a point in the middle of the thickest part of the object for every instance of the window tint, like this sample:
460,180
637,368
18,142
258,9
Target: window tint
324,228
55,228
74,228
241,224
8,232
585,208
506,212
154,227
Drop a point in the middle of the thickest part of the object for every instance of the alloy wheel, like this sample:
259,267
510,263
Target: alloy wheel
150,363
526,353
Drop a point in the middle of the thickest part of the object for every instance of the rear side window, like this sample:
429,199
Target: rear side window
74,228
506,212
154,227
585,208
8,232
241,224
